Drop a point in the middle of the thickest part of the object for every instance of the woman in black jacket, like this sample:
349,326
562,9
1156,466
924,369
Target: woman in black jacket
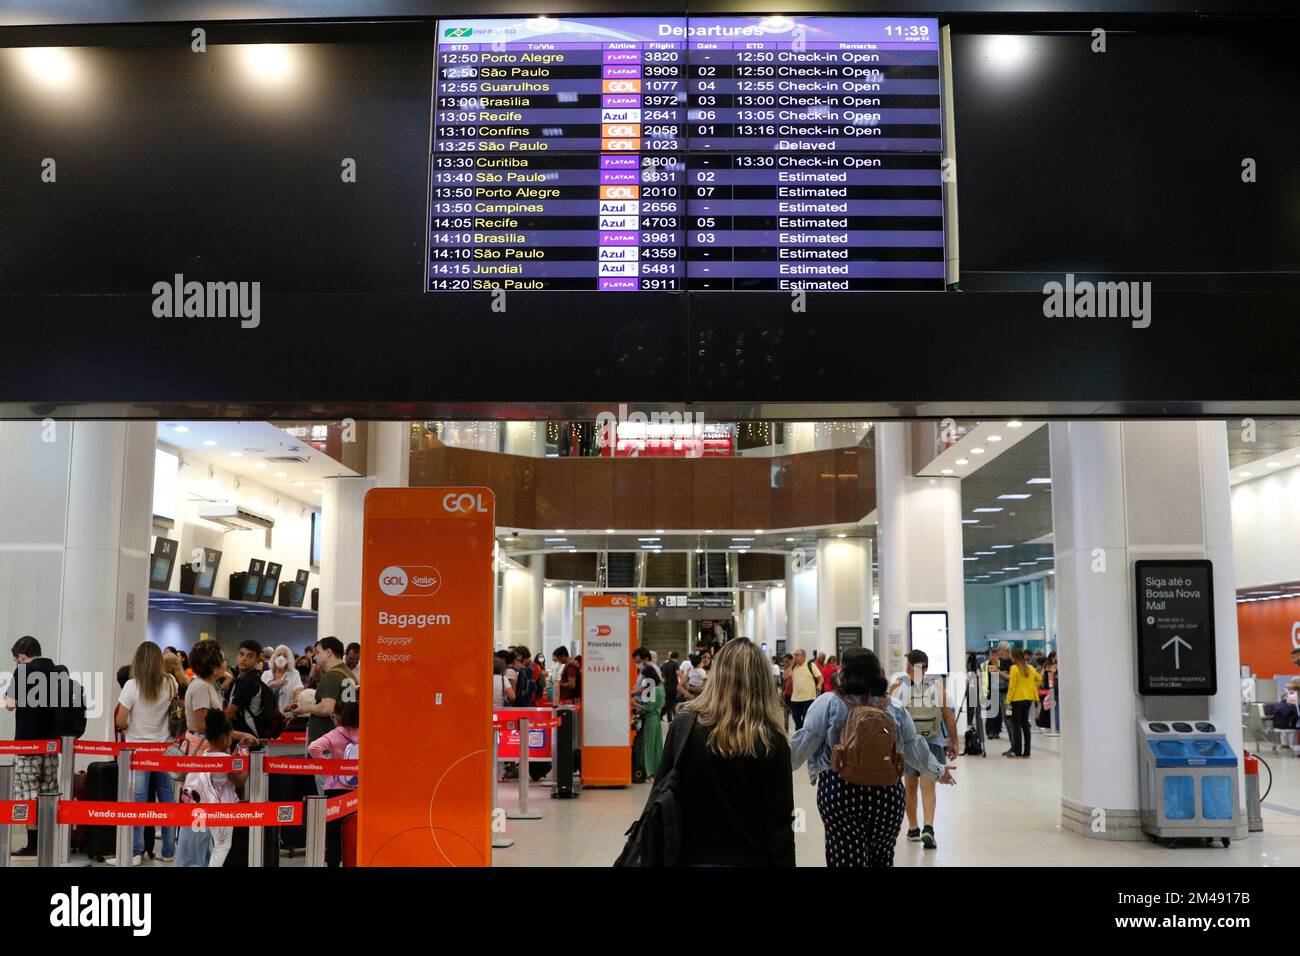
737,782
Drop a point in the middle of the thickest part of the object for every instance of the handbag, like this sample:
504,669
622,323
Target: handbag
175,714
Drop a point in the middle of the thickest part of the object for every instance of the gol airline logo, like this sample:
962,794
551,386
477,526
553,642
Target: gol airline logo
620,601
601,630
420,580
1295,635
464,503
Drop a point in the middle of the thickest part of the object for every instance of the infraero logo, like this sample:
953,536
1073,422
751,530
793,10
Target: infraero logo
417,580
458,32
464,503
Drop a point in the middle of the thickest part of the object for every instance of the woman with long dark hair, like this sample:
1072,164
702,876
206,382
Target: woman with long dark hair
862,822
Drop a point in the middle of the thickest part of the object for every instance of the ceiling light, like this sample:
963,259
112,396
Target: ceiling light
1001,547
1039,481
181,430
970,520
970,559
789,539
995,438
299,484
260,464
317,491
235,454
758,531
1244,474
1012,568
210,443
985,552
609,531
279,474
659,530
559,531
1014,497
841,535
708,531
977,451
699,550
985,510
963,461
947,471
1272,464
1014,424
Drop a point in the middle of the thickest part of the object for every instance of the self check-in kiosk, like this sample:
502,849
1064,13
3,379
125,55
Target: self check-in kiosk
1187,769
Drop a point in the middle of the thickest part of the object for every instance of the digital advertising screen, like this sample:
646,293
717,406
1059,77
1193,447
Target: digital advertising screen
672,154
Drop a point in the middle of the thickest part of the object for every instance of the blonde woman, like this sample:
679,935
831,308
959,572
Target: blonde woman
144,707
1022,692
734,765
282,677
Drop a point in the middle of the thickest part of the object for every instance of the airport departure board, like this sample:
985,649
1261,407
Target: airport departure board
673,154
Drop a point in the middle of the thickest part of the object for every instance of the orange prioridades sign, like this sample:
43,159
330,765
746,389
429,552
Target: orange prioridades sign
426,710
608,639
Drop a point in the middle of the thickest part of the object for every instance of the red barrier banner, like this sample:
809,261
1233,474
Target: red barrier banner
291,738
178,764
95,813
305,766
27,747
342,805
105,748
17,811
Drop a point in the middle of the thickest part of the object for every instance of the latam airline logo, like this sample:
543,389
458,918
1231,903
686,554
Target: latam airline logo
413,580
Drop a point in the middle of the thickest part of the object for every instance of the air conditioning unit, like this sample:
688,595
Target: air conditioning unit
234,516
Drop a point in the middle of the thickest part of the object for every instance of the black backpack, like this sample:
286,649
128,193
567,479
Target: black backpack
655,839
263,715
525,687
974,746
69,718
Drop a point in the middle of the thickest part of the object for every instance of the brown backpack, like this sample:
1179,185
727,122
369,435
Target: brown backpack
868,754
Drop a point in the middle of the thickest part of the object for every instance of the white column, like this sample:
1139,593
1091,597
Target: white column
343,529
522,604
920,548
76,501
1122,492
843,589
800,603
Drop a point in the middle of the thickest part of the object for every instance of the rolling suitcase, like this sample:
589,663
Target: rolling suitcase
98,843
289,787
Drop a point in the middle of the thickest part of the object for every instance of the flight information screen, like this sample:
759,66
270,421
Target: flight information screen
706,153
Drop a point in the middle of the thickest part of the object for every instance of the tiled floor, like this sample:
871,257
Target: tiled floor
1002,812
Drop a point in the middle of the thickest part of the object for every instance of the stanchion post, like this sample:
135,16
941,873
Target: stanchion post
499,840
523,813
67,777
562,754
47,828
314,818
125,794
6,793
257,787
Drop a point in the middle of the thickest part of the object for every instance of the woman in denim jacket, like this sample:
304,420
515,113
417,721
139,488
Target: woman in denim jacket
862,823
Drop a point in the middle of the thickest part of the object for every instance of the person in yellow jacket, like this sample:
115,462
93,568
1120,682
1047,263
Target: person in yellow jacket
1022,692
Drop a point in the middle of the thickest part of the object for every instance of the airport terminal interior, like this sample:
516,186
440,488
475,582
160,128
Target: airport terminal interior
953,535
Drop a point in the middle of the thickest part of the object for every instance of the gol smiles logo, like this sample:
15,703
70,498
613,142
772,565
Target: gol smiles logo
418,580
601,630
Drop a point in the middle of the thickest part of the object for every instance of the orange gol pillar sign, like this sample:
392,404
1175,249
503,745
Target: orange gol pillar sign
426,711
608,639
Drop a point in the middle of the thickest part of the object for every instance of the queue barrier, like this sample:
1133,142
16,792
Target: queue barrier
60,811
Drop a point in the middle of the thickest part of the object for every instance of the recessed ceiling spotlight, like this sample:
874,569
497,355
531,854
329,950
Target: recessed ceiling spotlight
659,530
789,539
977,451
1244,474
758,531
708,531
947,471
182,429
260,465
841,535
1000,547
210,443
609,531
1019,497
986,510
279,474
1014,423
559,531
235,454
699,550
970,520
963,461
995,438
986,553
970,559
1039,481
299,484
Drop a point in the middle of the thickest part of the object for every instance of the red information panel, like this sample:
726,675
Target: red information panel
541,721
426,713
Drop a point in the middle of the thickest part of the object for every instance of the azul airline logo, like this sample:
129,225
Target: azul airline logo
413,580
